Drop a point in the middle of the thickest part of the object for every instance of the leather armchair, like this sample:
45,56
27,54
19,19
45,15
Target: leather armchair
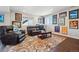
10,37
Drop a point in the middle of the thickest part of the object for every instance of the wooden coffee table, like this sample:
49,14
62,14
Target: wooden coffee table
44,35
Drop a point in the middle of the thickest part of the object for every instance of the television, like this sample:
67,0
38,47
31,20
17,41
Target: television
1,18
73,14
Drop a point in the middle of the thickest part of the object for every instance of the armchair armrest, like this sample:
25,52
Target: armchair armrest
22,31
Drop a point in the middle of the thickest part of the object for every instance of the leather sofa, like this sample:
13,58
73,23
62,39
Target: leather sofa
9,37
35,30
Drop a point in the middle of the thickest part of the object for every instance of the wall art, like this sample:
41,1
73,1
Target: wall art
54,19
64,30
63,14
57,28
73,24
61,21
74,14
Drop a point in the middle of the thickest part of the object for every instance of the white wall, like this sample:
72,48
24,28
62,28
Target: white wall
48,23
71,32
35,20
7,20
30,23
4,10
74,32
12,16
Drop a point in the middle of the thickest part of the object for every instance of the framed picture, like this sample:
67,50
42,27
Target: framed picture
73,24
1,19
18,24
24,19
74,14
63,14
64,30
57,29
62,21
54,19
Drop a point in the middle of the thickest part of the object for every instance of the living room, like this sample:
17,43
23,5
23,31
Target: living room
39,28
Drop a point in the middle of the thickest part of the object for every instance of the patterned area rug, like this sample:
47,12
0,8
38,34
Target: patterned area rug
35,44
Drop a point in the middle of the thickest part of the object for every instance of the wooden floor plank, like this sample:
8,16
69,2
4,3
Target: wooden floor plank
68,45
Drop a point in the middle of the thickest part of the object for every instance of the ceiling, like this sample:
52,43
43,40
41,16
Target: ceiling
38,10
33,10
4,9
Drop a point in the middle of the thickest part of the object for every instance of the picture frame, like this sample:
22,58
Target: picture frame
64,30
1,18
54,19
74,14
24,20
18,24
57,29
73,24
62,21
63,14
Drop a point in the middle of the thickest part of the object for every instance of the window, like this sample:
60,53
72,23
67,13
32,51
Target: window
48,20
41,20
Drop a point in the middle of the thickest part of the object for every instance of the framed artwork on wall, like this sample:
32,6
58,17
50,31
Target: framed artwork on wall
18,24
63,14
1,18
64,30
62,21
73,24
54,19
18,17
74,14
57,29
24,19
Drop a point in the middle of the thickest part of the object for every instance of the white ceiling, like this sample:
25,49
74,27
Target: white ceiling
4,9
38,10
33,10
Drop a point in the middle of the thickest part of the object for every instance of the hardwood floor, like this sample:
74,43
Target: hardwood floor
68,45
53,44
